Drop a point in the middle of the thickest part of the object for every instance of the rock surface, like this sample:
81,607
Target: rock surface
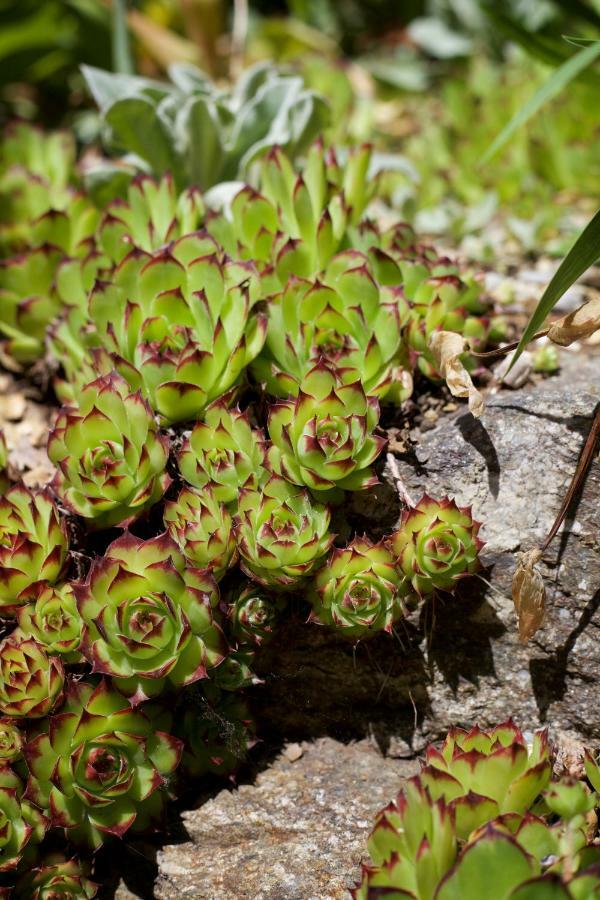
298,833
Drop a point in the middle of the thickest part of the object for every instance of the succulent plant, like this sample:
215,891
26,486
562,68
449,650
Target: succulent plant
27,303
57,877
324,438
281,534
347,318
203,529
21,824
94,766
149,617
484,774
359,591
181,322
53,620
253,614
33,547
235,672
31,681
11,742
263,109
110,455
223,451
153,215
436,544
217,732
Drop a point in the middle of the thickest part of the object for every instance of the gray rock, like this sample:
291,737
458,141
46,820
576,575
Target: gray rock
298,833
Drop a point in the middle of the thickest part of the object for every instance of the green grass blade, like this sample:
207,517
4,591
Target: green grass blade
121,48
557,82
583,254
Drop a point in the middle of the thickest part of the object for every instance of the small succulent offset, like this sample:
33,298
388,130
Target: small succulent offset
31,681
203,529
436,544
52,619
223,451
181,323
216,733
359,591
465,828
253,614
57,877
11,742
94,766
149,617
281,534
324,438
33,545
21,824
110,455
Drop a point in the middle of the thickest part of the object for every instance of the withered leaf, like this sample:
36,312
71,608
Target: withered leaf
579,324
447,348
529,594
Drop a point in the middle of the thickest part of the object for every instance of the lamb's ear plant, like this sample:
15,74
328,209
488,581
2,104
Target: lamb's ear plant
201,134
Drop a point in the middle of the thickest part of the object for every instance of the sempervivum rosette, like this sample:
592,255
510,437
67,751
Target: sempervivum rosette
31,682
281,534
33,545
437,544
223,451
203,528
110,454
11,742
216,732
324,439
484,774
185,318
57,878
359,590
95,766
53,620
253,614
149,616
21,824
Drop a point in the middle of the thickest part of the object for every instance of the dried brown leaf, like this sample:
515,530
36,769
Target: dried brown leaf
579,324
447,348
529,594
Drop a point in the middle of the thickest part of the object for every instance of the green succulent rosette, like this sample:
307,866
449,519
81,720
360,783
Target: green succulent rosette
235,672
217,731
437,544
485,774
203,528
359,591
111,458
31,681
185,318
223,451
253,614
27,302
21,824
57,877
345,317
152,215
149,617
324,439
94,767
11,742
53,620
33,545
281,534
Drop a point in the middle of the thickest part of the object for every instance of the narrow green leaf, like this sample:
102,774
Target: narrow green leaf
121,48
557,82
583,254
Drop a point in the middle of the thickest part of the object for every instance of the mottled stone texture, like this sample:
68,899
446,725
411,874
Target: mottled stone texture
298,833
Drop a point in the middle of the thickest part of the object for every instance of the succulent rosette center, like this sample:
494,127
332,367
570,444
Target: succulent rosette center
53,620
102,769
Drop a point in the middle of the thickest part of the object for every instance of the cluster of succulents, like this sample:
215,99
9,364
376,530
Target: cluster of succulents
159,318
485,817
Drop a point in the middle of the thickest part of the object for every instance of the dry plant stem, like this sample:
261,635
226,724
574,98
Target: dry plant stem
393,464
580,472
504,351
